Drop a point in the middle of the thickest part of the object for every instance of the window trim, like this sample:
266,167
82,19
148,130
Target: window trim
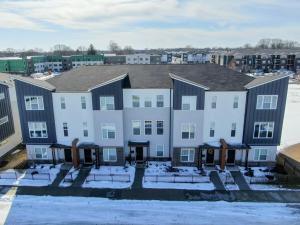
38,102
163,129
41,148
189,100
148,127
233,129
63,103
140,127
236,102
214,100
259,154
212,128
108,149
137,101
163,150
188,155
189,130
33,124
102,128
85,129
65,129
83,102
105,98
160,101
261,106
259,129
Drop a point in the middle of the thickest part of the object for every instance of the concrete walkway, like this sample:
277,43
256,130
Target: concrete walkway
214,177
138,178
61,175
83,173
240,180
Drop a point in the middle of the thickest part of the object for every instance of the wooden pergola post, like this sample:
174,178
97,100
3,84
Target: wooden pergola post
75,153
97,158
53,156
246,158
223,152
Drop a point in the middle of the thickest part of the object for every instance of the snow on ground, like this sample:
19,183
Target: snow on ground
46,174
69,178
28,210
117,177
158,176
227,180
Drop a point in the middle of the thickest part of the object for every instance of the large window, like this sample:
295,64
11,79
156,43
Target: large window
66,129
107,103
159,101
148,102
135,101
109,154
40,153
188,131
108,131
236,102
136,127
260,154
188,102
34,103
233,130
159,127
160,150
263,130
148,127
37,130
85,129
83,102
266,102
2,96
3,120
62,103
212,129
187,155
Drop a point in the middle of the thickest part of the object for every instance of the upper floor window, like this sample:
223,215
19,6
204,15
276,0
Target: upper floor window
159,101
107,103
159,127
263,129
214,102
136,127
83,102
85,129
159,150
233,130
188,131
109,154
66,129
236,102
188,102
37,130
40,153
2,96
3,120
62,103
135,101
148,127
148,102
260,154
266,102
187,155
212,129
34,103
108,131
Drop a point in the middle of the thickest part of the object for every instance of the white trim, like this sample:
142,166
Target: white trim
140,127
28,82
259,129
264,82
109,82
173,76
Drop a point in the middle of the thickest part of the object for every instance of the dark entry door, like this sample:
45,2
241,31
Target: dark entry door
88,155
68,155
139,153
230,156
210,155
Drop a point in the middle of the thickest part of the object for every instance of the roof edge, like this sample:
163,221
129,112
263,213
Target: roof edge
121,77
266,82
176,77
40,86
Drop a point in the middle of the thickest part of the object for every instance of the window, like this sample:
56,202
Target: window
159,150
40,153
159,127
107,103
109,154
135,101
34,103
260,154
108,131
188,102
37,130
266,102
212,129
148,102
85,129
187,155
2,96
148,127
233,130
136,127
236,102
83,102
188,131
263,130
66,130
214,102
62,103
159,101
3,120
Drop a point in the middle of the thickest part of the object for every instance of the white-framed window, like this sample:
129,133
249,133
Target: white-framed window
263,130
187,155
188,131
136,127
135,101
107,102
212,129
160,150
66,129
266,101
236,102
159,127
34,102
108,131
260,154
109,154
159,101
233,130
40,153
148,127
214,102
37,130
148,102
83,102
188,102
2,96
85,129
3,120
62,103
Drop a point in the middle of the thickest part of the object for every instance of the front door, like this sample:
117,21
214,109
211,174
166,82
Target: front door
88,156
68,155
210,155
139,154
230,156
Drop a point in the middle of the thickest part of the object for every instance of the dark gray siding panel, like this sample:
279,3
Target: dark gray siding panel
47,115
252,115
6,129
180,89
113,89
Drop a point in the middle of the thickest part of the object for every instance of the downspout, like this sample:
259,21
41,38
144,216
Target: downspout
170,124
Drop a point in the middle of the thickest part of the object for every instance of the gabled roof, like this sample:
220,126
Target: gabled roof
39,83
264,80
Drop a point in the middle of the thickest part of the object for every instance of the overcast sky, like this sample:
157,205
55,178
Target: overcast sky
146,24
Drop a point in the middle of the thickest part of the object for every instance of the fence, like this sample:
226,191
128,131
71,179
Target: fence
109,177
25,174
226,178
177,178
70,177
9,175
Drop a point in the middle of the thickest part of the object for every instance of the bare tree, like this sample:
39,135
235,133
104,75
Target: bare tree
128,50
61,49
114,47
91,50
81,49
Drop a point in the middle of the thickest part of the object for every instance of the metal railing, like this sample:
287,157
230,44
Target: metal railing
28,174
174,178
109,177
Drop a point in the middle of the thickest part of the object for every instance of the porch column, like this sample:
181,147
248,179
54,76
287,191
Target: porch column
75,153
223,154
246,158
97,158
53,156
